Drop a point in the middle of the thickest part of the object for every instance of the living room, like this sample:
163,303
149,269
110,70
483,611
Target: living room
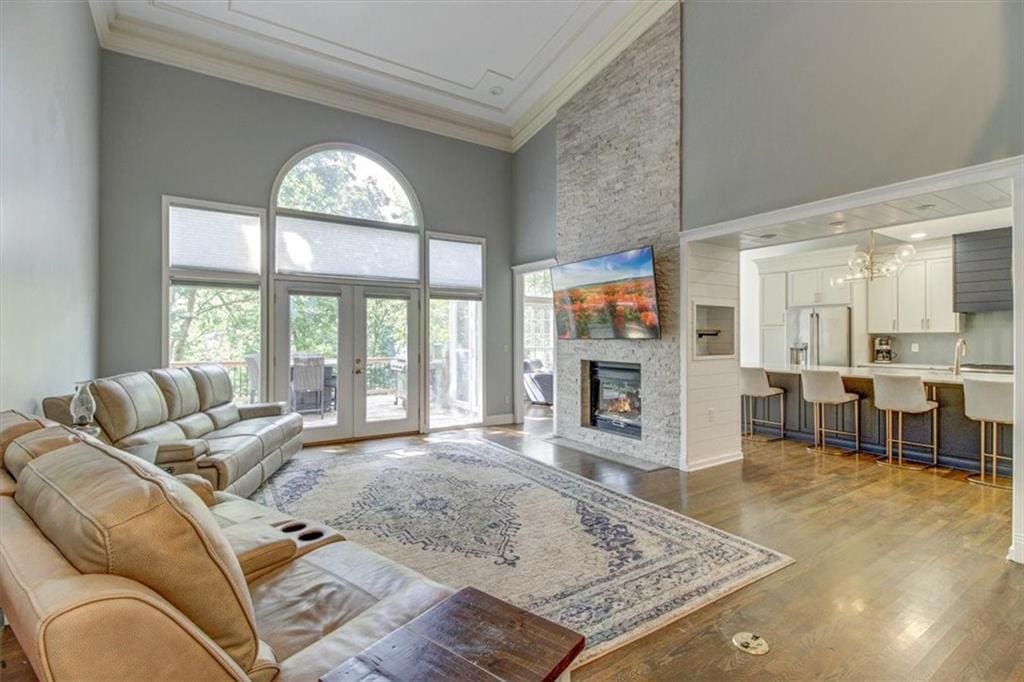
315,276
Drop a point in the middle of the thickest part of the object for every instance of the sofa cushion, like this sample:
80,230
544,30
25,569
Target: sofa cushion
109,512
233,457
196,425
272,431
167,432
128,403
348,598
213,383
26,448
230,509
14,424
223,415
179,389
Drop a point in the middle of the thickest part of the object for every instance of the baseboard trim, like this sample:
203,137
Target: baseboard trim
714,461
1017,549
499,419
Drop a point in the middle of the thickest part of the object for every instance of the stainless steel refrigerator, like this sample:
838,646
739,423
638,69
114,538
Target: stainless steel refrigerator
824,331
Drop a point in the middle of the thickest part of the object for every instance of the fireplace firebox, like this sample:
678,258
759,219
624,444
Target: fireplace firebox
615,404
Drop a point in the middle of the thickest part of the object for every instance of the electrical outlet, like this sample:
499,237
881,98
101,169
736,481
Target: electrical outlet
914,348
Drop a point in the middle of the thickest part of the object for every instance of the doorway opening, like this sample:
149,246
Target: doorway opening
534,361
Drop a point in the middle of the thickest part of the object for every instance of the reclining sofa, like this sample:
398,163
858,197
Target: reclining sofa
184,420
113,569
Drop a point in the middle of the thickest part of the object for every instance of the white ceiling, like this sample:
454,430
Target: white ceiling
497,69
928,213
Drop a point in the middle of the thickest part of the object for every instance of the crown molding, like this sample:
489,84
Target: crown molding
640,18
148,41
145,40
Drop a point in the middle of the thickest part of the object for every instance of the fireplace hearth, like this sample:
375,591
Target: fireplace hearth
615,404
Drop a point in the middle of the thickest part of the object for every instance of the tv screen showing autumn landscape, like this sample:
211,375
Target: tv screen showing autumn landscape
610,297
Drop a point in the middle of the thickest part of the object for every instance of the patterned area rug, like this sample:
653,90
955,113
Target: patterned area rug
470,512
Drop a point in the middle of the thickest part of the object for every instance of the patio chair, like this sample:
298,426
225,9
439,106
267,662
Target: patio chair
308,378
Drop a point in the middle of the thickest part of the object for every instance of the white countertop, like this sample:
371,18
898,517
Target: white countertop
931,375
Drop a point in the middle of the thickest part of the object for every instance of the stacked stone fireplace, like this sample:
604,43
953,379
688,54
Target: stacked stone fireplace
618,188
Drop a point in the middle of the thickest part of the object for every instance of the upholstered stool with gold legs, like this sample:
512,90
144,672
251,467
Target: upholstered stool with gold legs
991,403
753,386
823,387
897,395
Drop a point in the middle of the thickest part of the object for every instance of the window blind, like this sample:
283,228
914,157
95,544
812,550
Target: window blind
318,247
456,265
214,240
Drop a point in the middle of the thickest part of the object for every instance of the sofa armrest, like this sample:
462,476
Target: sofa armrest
262,410
260,547
167,453
200,486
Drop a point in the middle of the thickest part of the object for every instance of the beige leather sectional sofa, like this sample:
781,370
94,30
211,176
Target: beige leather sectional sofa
113,569
184,420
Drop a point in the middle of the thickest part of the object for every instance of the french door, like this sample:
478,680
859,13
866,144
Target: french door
347,358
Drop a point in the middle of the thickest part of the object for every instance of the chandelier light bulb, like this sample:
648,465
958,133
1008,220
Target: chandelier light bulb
905,252
859,260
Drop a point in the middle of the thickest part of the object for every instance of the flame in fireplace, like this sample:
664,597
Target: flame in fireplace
623,404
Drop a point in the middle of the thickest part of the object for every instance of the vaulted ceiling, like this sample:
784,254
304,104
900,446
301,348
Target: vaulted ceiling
488,72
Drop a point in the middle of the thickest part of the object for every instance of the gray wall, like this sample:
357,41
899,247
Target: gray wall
789,102
170,131
48,211
533,187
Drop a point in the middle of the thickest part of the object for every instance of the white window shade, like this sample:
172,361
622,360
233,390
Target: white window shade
456,265
318,247
214,240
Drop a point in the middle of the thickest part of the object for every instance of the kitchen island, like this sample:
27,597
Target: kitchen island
958,435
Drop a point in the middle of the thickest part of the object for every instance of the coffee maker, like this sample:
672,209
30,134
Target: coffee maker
883,349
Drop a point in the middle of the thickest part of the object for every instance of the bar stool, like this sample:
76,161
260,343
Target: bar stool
990,402
904,394
754,385
823,387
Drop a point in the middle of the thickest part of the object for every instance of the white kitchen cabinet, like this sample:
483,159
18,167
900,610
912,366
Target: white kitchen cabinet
803,287
912,302
939,315
924,298
882,305
773,345
773,299
813,287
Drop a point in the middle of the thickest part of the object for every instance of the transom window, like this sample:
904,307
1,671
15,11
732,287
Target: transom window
347,184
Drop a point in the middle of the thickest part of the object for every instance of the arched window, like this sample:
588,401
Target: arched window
343,211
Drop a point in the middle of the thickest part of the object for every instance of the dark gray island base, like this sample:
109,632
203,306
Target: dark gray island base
959,437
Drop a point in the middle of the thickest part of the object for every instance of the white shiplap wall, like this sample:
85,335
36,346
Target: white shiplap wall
710,387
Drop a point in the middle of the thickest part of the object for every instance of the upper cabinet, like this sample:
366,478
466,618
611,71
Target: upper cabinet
920,300
882,306
983,267
773,299
813,287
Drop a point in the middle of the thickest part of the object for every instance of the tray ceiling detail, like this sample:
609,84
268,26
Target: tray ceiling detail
486,72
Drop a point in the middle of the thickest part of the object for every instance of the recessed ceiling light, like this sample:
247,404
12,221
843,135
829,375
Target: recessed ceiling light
919,235
925,207
497,90
837,223
769,235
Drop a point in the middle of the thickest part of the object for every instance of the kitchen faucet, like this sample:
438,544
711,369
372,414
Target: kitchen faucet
959,351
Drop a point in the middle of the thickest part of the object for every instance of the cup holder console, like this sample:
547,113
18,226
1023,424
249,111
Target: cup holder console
311,535
308,535
293,527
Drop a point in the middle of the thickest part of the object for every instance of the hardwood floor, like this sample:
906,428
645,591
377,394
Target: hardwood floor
899,575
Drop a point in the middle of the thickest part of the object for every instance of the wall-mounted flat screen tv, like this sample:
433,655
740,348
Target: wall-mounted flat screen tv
609,297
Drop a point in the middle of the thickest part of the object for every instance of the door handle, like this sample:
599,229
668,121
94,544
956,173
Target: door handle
357,371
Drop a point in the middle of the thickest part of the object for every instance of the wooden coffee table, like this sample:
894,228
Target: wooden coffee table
469,636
